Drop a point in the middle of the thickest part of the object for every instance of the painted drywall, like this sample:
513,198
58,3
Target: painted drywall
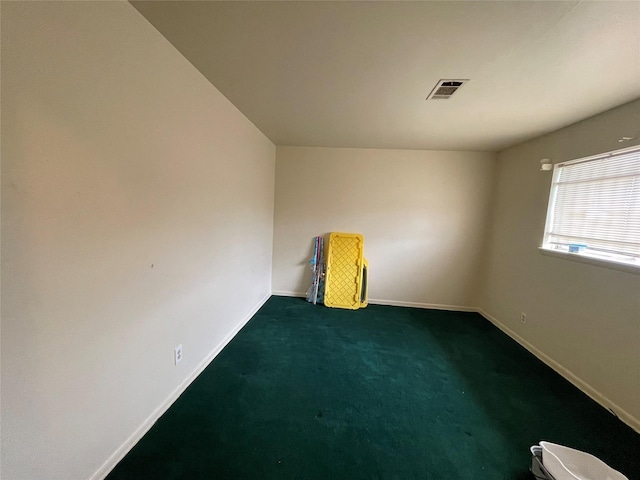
582,319
422,213
137,214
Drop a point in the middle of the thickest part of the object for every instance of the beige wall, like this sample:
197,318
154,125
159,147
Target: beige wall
582,319
422,214
137,210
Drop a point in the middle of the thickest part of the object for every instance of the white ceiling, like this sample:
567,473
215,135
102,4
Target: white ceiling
356,74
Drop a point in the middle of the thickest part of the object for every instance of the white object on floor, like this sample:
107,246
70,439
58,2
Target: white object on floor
565,463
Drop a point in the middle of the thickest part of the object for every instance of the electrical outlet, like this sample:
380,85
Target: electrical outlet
523,317
177,354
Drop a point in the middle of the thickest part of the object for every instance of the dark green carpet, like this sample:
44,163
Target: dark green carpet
309,392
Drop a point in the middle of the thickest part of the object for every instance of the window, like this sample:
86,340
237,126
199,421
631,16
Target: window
594,207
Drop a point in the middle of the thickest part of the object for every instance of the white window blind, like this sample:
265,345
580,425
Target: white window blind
594,206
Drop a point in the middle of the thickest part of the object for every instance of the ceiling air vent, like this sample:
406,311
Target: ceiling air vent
445,88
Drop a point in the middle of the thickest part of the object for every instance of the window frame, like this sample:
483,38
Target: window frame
622,262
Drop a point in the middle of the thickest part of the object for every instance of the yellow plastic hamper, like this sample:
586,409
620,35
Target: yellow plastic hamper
343,279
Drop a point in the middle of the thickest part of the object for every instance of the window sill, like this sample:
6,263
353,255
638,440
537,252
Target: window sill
600,262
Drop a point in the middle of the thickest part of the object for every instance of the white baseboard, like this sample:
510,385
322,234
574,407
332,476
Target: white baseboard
393,303
433,306
130,442
284,293
598,397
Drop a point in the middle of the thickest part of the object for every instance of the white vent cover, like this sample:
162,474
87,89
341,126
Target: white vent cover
445,88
